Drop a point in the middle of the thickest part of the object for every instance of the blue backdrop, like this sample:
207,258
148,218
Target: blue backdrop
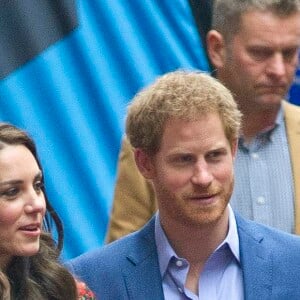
71,93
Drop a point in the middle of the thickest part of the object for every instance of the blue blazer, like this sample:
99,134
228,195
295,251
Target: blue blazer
128,268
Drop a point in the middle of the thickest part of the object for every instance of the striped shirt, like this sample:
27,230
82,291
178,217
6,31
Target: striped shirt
264,189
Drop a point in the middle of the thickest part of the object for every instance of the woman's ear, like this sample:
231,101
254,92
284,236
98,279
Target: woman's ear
215,48
144,163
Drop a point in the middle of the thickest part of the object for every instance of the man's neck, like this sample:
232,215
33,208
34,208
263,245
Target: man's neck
255,122
196,243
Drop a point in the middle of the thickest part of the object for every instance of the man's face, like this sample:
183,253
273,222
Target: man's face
259,63
192,172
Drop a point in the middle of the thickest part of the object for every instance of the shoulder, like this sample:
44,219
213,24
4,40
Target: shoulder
84,293
290,108
113,255
103,269
277,240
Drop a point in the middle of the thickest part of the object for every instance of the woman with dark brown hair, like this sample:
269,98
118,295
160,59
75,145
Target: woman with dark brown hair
29,257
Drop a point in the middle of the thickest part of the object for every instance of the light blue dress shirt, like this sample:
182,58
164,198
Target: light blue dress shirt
264,188
221,278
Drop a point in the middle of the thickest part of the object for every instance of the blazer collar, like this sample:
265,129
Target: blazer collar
292,120
142,276
256,261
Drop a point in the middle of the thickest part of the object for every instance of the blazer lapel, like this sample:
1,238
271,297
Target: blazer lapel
142,275
256,261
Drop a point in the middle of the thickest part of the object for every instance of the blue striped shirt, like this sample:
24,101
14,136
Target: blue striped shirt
264,189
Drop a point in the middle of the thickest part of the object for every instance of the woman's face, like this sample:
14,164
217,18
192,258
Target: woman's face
22,203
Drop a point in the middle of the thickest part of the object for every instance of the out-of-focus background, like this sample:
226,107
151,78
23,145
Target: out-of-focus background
67,71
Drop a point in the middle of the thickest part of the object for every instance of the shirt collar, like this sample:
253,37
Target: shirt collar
279,118
268,132
166,252
278,122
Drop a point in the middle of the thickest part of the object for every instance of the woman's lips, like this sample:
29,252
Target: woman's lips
31,229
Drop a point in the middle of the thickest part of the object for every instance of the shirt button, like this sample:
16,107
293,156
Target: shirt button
179,263
261,200
255,155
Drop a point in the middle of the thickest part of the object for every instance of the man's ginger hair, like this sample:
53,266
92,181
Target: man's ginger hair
186,95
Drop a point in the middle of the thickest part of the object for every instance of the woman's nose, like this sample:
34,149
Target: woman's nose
35,202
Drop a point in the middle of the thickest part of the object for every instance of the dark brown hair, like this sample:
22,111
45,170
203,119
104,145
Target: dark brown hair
40,276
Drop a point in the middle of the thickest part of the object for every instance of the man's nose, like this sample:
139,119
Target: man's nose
201,174
276,65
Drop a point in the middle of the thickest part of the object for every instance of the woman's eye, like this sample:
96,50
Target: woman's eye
38,186
10,193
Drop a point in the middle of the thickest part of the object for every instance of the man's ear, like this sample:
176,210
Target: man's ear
144,163
215,48
234,146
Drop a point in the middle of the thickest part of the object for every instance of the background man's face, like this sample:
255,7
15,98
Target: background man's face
260,62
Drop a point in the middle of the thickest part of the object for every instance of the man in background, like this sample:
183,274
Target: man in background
253,46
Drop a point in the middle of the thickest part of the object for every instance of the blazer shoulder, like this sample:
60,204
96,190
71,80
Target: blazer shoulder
135,246
291,110
251,231
105,268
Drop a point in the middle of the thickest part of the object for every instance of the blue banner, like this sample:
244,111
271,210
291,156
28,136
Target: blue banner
294,93
67,80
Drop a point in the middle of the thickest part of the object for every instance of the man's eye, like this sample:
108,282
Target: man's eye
182,159
185,158
259,54
290,54
215,155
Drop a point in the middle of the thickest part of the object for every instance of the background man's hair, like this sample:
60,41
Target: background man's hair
227,13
